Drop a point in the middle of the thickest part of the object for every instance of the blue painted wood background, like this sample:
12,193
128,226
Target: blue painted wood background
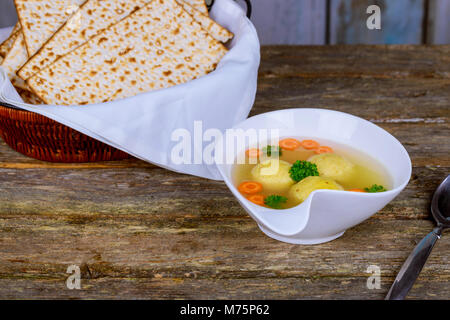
402,21
344,21
335,21
290,21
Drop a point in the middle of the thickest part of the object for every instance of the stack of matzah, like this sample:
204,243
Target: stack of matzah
70,52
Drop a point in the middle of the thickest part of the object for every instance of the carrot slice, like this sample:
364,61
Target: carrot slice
323,149
257,199
356,190
253,153
250,187
290,144
310,144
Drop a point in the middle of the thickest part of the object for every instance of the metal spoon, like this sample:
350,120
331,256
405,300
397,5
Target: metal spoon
440,208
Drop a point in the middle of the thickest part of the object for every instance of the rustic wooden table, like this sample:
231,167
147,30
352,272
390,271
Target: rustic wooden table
138,231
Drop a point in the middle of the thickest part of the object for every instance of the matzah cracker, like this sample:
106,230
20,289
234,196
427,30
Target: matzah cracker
16,28
40,19
156,47
7,44
95,16
215,30
15,58
92,18
199,5
29,97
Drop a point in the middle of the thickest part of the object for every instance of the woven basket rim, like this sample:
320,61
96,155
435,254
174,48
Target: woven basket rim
42,138
24,115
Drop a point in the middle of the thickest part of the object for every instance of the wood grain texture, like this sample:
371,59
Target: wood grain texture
139,231
290,21
438,22
401,22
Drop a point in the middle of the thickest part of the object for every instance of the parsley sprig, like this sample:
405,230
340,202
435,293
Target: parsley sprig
275,201
303,169
272,151
375,188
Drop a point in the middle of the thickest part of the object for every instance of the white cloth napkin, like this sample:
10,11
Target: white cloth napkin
143,125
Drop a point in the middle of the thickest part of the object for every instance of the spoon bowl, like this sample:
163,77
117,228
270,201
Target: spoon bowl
440,209
440,204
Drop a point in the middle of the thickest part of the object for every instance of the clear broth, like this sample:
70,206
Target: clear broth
368,171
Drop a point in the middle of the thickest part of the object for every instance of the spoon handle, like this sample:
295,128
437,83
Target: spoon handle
413,265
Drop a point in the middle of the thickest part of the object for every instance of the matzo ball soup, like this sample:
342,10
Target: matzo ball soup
285,175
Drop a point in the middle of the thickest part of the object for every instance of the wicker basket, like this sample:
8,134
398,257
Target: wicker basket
41,138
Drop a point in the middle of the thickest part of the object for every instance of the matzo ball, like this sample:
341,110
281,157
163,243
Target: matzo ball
273,174
301,190
333,166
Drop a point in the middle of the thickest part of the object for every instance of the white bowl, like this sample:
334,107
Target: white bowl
326,214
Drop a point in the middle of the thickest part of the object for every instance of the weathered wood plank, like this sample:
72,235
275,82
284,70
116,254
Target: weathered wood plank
95,193
221,258
388,102
179,288
401,22
385,62
290,21
438,22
